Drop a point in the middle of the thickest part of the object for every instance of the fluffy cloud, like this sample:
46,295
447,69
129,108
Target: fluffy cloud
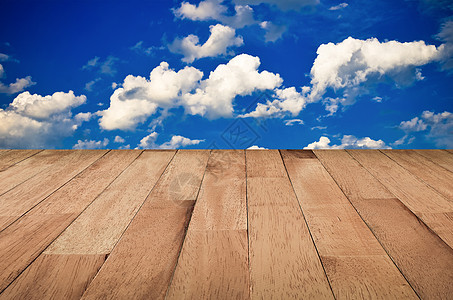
437,127
221,38
139,98
273,31
119,139
288,101
347,65
255,147
176,141
348,142
215,10
90,144
37,121
281,4
293,122
15,87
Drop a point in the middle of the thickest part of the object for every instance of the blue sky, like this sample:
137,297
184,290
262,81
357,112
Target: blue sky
226,74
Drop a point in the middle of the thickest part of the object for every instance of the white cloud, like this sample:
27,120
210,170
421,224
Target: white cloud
89,85
215,10
176,141
273,32
255,147
350,65
288,101
16,87
339,6
119,139
446,35
281,4
91,63
438,127
348,142
221,38
139,98
90,144
39,121
293,122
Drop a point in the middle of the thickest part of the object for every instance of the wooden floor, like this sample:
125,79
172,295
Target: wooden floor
226,224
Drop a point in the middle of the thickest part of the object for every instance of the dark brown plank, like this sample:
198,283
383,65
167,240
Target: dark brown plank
24,240
142,263
283,259
424,259
356,264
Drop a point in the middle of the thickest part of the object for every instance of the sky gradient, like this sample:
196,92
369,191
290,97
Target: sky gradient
226,74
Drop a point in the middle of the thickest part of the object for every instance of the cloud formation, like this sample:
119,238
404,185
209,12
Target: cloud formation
176,142
348,142
138,98
34,121
90,144
16,87
220,40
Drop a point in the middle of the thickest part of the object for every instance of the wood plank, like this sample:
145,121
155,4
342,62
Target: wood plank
431,173
99,227
56,277
17,201
28,168
24,240
11,157
95,232
283,259
214,259
143,261
441,157
422,200
356,264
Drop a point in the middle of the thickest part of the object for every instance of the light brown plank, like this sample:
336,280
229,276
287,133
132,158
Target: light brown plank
431,173
143,261
56,277
441,157
422,200
356,264
28,168
214,259
99,227
17,201
11,157
283,259
24,240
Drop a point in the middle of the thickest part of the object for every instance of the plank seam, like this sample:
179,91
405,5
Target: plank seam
37,256
418,178
428,158
248,228
18,217
122,234
188,224
306,223
1,194
420,220
41,150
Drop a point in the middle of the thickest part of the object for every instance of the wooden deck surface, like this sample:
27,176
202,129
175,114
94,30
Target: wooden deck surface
226,224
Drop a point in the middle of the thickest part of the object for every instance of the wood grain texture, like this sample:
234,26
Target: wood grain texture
28,168
283,259
143,261
349,251
441,157
100,226
11,157
214,259
431,173
55,277
422,200
19,200
24,240
420,255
